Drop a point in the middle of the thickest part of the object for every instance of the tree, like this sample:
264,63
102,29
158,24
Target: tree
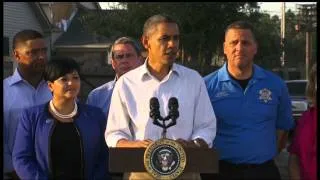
267,32
202,24
295,42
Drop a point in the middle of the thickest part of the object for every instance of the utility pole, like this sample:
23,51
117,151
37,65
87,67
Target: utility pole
283,22
283,41
307,52
307,16
51,26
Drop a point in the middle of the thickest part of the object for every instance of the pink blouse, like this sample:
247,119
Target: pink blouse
304,144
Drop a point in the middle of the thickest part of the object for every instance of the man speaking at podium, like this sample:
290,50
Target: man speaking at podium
129,123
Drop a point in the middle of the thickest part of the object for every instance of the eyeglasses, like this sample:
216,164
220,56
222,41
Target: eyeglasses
122,56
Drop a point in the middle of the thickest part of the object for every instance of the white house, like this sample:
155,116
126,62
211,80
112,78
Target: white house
40,16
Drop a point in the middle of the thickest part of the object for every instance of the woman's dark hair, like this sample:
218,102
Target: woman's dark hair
60,66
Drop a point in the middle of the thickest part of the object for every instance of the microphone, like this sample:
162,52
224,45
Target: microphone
156,117
173,108
154,109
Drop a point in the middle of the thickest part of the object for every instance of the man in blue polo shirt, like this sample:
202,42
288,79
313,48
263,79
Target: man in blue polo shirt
252,107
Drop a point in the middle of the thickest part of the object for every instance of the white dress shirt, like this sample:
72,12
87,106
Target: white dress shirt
130,106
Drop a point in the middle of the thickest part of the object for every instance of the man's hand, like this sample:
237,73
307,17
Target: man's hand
200,143
282,138
134,144
186,143
196,143
294,166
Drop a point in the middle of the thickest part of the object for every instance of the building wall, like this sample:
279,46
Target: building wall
7,67
16,17
46,10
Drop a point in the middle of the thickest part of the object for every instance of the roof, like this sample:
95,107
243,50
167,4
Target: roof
40,15
98,5
77,35
87,46
297,81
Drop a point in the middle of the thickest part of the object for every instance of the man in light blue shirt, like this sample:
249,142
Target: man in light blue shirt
25,88
125,55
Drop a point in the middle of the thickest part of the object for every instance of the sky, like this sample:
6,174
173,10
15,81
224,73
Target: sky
273,8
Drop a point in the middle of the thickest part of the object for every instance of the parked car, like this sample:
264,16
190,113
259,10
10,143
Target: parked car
297,91
299,102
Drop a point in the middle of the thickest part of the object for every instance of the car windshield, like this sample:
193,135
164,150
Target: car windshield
297,88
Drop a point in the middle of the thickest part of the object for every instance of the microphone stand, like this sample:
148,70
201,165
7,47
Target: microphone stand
163,123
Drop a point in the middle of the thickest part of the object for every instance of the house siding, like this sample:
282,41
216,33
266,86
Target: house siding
16,17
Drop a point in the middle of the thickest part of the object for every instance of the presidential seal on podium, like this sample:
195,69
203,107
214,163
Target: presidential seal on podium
164,158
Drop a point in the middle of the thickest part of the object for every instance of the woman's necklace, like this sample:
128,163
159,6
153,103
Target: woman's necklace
62,116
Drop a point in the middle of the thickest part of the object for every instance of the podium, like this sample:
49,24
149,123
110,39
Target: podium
199,160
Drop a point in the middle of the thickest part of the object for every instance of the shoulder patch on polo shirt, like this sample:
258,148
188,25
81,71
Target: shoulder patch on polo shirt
265,95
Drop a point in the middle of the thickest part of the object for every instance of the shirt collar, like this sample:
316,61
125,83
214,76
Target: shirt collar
223,74
258,72
146,73
16,78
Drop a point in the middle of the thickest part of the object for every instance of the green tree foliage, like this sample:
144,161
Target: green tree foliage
295,42
267,32
202,24
202,28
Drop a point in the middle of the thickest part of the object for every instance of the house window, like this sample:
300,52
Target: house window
5,46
